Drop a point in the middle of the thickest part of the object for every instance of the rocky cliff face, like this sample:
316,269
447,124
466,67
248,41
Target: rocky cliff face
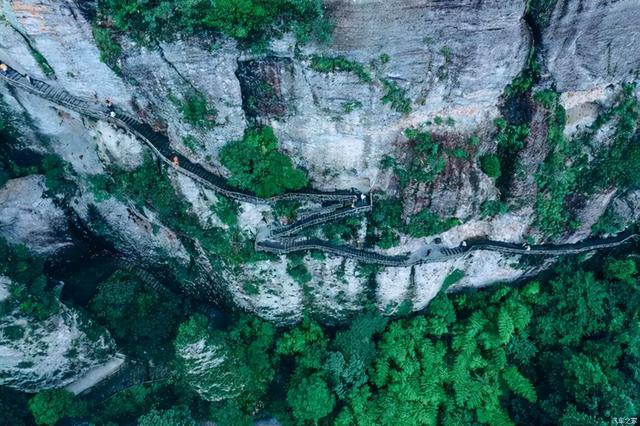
37,354
28,217
590,44
451,59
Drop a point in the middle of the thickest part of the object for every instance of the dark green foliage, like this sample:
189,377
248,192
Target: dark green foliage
256,164
110,50
490,165
426,160
510,137
384,58
287,209
339,64
129,310
384,220
396,96
239,361
310,399
227,210
426,222
30,286
342,230
540,12
195,110
246,20
178,416
42,62
50,406
619,164
555,179
455,276
14,402
492,208
298,270
608,223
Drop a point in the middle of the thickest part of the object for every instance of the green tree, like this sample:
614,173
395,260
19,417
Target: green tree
311,399
178,416
137,316
490,165
256,164
50,406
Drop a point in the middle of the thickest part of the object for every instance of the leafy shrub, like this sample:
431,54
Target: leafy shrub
490,165
540,12
29,287
42,62
384,220
396,96
426,223
255,164
297,269
351,106
455,276
554,179
49,406
227,210
339,64
245,20
492,208
196,110
128,309
110,50
426,163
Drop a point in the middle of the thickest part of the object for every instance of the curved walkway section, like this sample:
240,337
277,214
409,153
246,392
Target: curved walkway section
281,239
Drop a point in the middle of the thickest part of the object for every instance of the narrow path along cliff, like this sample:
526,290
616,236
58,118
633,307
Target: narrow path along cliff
336,204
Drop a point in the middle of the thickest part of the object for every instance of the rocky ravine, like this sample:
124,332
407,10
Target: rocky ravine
456,70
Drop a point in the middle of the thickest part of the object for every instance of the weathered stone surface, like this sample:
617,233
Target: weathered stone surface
59,31
168,74
45,354
592,43
28,217
437,52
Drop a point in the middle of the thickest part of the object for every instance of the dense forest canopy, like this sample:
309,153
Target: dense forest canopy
564,349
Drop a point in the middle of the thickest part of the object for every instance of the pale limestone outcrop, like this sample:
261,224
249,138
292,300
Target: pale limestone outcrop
40,354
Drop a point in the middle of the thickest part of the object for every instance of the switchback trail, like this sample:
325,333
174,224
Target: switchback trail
282,239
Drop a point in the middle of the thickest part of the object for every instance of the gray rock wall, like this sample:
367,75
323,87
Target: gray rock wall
28,217
592,43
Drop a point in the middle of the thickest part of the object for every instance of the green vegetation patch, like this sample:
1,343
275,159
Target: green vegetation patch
426,222
490,165
195,110
29,289
396,96
339,64
555,179
455,276
256,164
426,163
42,62
110,50
245,20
